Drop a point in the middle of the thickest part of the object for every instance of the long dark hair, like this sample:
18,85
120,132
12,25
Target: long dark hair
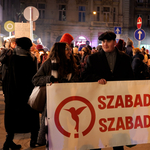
65,66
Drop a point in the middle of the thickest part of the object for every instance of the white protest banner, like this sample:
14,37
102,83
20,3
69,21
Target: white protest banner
83,116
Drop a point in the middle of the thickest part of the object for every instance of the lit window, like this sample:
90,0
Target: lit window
41,8
81,13
62,12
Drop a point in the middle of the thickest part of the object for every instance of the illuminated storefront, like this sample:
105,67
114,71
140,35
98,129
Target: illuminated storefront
81,41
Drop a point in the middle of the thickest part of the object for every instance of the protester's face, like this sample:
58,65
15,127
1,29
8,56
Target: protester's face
13,44
108,45
7,44
68,51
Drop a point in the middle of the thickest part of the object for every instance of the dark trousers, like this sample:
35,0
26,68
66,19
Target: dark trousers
118,148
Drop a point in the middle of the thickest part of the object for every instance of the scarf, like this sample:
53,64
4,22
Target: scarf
54,70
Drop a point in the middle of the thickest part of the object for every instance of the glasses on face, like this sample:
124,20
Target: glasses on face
68,49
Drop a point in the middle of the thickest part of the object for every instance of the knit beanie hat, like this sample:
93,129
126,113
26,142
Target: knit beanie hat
39,47
24,42
129,42
67,38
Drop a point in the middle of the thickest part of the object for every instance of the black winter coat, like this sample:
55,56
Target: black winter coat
19,117
97,68
129,51
5,60
139,67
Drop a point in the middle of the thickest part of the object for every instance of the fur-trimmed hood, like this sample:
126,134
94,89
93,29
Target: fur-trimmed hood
21,52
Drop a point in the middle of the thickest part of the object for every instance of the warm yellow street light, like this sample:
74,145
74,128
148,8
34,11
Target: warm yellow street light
94,12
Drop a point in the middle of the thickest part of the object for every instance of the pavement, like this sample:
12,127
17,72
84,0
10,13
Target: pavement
24,139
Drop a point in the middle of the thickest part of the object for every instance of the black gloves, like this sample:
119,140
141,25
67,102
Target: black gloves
53,79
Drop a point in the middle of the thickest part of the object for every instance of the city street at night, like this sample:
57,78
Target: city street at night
75,74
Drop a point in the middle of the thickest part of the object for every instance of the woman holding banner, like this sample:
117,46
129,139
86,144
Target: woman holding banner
60,67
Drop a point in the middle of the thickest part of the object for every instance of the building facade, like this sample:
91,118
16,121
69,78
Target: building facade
140,8
10,11
76,17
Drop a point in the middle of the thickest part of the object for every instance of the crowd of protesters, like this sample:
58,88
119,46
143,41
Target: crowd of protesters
25,65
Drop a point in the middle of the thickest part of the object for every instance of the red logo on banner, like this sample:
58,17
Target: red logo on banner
75,112
139,22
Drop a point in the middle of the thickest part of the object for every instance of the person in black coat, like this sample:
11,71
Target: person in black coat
19,116
60,67
109,64
140,69
5,57
129,48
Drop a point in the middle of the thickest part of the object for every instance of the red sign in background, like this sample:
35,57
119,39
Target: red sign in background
139,22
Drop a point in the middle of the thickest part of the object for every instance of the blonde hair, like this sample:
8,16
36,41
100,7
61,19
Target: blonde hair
136,50
75,50
84,49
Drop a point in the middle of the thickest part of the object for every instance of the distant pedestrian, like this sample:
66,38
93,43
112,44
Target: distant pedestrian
120,45
76,55
5,57
43,55
85,52
93,50
129,48
140,69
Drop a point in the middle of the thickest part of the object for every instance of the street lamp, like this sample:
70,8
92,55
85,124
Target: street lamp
94,12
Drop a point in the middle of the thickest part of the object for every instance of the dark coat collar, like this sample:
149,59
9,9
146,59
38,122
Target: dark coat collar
104,59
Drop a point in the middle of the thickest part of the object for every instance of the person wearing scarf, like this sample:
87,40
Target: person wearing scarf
60,67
